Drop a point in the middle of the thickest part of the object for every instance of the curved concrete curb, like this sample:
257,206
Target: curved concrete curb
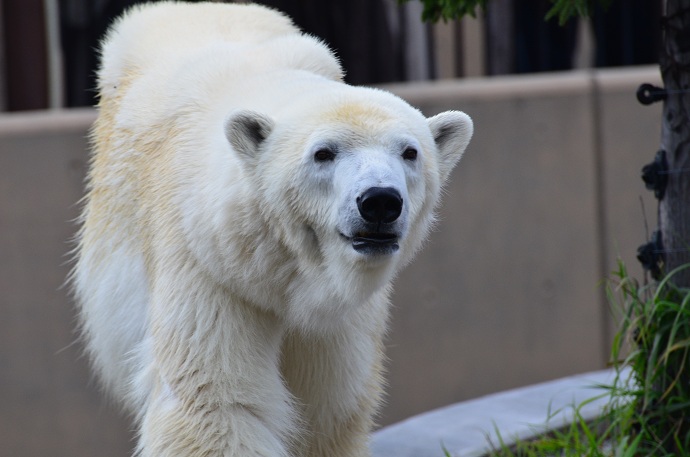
467,429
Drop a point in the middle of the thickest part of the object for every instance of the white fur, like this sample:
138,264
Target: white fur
221,296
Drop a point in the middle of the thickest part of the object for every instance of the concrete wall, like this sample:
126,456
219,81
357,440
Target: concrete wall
48,404
506,293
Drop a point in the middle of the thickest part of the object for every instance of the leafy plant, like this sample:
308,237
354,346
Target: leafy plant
649,408
435,10
580,438
656,325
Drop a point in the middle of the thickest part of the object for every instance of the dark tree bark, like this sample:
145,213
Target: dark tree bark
674,207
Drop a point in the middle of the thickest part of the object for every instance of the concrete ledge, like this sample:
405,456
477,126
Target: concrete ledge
468,429
537,84
39,123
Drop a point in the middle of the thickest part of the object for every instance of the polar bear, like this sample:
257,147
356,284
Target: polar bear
246,212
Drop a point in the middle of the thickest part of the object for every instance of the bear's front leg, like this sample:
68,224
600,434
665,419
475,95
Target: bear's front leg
337,381
216,387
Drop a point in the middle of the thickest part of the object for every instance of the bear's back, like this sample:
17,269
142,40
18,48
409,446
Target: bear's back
166,33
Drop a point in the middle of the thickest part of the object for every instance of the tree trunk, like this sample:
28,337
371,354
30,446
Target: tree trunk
674,207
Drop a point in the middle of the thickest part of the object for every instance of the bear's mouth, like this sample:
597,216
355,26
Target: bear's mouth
374,242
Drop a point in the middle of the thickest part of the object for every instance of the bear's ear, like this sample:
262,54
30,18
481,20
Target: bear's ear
246,130
452,131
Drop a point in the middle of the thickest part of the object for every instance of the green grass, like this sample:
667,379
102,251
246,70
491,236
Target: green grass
648,413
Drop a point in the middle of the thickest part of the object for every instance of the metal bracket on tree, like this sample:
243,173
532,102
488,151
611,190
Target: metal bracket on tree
648,94
655,174
651,256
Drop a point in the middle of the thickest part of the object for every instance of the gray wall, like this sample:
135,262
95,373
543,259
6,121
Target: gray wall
506,293
49,405
509,290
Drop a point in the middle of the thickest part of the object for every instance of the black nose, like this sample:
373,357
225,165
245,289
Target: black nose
380,204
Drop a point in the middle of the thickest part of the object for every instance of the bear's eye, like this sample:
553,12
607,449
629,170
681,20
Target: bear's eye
324,155
409,154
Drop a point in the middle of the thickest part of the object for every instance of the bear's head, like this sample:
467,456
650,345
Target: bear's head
350,189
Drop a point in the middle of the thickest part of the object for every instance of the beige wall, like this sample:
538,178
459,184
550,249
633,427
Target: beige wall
48,405
506,292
